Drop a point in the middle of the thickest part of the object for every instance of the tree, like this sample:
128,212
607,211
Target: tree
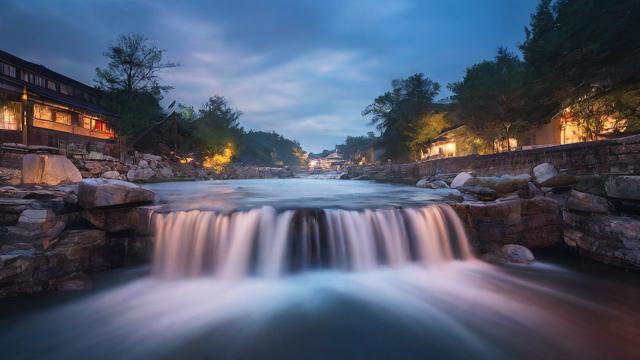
575,49
490,95
269,149
396,111
355,147
137,111
133,66
612,113
428,128
217,125
131,83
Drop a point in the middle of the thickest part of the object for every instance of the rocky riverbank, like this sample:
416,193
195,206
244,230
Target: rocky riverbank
596,216
57,228
51,237
137,167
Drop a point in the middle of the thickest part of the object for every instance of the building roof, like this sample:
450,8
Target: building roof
68,100
334,156
43,70
71,102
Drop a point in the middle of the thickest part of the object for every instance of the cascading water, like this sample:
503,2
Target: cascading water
267,243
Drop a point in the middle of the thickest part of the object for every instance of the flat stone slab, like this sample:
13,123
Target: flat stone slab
93,193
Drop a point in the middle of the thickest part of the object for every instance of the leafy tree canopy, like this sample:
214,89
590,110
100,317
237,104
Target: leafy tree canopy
396,112
489,97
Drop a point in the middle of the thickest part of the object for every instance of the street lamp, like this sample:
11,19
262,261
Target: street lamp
24,97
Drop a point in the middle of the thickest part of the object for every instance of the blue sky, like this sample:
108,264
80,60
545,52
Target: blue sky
305,69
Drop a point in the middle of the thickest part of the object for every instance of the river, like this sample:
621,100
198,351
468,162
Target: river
319,269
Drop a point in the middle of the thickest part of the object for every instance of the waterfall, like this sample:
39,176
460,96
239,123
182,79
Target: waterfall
264,242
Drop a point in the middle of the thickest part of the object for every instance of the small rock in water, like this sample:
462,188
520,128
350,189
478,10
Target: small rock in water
422,182
460,179
438,184
517,254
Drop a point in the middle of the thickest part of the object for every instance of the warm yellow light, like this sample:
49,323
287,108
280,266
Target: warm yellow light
25,95
218,162
186,160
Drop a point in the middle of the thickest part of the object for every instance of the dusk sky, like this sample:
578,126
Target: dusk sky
305,69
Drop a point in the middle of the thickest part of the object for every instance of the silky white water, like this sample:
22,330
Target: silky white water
264,242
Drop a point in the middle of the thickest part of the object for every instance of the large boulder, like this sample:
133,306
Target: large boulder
592,184
606,238
544,172
93,193
535,223
490,187
478,188
113,220
460,179
584,202
623,187
546,175
507,183
49,169
36,228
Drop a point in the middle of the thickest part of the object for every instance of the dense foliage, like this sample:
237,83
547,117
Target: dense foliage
357,147
488,98
577,54
268,149
396,113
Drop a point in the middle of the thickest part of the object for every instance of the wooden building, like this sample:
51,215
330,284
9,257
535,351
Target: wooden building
41,107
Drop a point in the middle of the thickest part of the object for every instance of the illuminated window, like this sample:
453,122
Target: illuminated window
86,122
42,112
51,85
100,126
10,115
63,118
8,70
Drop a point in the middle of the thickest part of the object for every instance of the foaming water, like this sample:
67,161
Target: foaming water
267,243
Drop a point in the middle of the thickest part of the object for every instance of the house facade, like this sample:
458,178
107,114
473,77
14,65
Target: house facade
41,107
564,128
332,161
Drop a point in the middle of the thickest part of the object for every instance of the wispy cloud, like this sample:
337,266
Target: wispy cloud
303,69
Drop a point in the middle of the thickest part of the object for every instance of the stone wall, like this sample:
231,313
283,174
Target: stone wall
613,156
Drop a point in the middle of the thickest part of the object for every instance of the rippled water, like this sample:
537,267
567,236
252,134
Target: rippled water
419,300
290,193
